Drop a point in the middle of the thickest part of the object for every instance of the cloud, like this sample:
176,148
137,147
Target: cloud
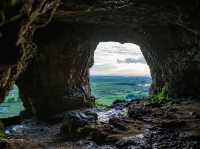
132,60
118,48
112,58
132,69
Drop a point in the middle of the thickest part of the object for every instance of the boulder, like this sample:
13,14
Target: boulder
138,111
75,120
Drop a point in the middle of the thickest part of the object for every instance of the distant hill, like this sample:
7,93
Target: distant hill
110,88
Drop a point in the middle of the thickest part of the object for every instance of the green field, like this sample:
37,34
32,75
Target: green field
107,89
12,104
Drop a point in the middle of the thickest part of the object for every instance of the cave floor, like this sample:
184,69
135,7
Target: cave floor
139,125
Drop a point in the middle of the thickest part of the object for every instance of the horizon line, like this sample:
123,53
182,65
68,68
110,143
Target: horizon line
120,75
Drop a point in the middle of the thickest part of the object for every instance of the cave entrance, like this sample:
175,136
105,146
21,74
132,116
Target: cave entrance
12,105
120,72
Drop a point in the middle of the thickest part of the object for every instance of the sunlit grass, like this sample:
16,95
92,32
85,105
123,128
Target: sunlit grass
107,101
108,89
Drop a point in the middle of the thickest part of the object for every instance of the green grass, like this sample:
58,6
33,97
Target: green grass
11,109
108,89
161,97
107,101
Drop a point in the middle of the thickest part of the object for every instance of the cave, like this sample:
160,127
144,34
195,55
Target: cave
48,49
64,71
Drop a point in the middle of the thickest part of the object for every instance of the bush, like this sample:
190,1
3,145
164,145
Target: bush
161,97
100,105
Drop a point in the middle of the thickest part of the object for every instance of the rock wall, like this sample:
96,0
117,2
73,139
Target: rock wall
54,48
19,20
58,77
173,57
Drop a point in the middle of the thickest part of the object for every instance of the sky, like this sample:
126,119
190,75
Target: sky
116,59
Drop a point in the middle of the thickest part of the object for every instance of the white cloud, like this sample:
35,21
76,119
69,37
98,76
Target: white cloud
132,60
112,58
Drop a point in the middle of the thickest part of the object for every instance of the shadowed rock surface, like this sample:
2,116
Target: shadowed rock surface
167,126
48,47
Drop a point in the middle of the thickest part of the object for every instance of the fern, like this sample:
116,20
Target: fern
161,97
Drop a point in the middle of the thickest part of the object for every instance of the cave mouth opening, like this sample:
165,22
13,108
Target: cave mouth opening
12,105
119,72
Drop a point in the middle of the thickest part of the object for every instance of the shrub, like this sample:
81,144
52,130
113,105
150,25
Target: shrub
101,105
161,97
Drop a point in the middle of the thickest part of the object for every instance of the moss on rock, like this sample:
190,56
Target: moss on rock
2,133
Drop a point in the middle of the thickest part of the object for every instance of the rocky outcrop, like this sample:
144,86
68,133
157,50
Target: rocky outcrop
173,60
173,125
59,73
18,22
57,77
